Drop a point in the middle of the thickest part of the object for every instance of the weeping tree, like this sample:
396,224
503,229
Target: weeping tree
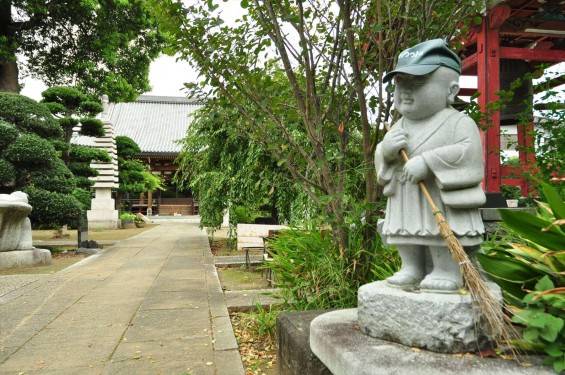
227,170
305,79
100,46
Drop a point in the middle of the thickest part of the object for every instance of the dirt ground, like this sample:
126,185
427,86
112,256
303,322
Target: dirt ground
65,256
96,235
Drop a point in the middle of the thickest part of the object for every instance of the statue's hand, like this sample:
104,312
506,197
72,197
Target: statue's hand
416,169
393,141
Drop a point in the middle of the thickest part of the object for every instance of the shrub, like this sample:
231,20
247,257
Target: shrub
82,169
92,127
126,146
58,178
52,210
8,134
30,150
86,154
84,197
28,115
7,172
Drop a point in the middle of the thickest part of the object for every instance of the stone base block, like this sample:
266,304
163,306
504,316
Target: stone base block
294,356
24,258
444,323
335,338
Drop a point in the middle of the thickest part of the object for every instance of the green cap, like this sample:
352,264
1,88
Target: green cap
424,58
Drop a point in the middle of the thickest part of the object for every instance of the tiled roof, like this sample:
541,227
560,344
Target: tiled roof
154,122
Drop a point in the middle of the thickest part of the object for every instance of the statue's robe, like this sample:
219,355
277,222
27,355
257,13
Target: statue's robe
451,146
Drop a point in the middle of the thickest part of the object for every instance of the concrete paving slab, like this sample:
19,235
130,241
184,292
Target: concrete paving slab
151,304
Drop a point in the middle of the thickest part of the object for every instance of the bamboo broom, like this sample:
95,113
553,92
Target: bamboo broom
489,309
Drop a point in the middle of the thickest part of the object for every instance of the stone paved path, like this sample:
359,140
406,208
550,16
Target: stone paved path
151,304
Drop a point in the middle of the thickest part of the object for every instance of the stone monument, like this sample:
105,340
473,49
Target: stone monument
423,305
102,213
16,246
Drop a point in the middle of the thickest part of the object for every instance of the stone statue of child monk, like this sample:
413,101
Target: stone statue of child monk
445,152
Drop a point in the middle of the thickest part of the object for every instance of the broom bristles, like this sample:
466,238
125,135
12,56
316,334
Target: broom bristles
489,309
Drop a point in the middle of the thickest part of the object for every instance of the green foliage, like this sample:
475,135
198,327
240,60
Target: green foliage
108,51
262,322
311,272
544,321
87,154
8,134
31,151
30,160
532,273
70,103
68,98
7,172
126,146
51,209
228,169
92,127
28,116
511,192
127,216
82,169
58,178
67,123
83,196
135,177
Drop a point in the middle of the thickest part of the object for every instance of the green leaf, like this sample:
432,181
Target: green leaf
508,269
559,364
544,284
244,4
553,326
555,300
530,227
531,334
554,349
554,200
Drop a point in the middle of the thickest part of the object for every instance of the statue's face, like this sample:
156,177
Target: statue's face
419,97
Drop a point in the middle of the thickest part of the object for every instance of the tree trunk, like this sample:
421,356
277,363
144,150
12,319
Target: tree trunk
9,77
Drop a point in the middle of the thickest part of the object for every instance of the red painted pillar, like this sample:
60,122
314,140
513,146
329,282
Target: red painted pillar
488,74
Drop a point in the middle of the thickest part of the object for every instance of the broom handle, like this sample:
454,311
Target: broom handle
421,184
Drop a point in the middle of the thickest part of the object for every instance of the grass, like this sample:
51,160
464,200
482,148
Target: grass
241,278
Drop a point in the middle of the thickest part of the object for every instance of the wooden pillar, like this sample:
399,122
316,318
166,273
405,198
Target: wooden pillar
150,199
488,74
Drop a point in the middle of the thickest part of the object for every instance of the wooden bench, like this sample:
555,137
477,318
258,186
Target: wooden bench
252,237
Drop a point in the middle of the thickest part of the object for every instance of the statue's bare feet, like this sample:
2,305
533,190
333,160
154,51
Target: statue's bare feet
404,279
443,284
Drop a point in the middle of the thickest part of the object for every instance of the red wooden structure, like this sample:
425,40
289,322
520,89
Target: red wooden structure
524,30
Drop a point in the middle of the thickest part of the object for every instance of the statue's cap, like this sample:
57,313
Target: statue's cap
424,58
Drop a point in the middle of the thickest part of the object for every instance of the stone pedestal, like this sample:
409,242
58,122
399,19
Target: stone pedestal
443,323
335,338
24,258
102,213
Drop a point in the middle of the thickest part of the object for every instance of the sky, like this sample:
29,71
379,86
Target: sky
166,75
